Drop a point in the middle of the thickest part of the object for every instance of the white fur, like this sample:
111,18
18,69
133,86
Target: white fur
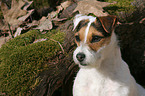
91,56
106,74
79,18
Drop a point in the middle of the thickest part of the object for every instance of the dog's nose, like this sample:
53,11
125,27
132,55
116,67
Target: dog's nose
80,56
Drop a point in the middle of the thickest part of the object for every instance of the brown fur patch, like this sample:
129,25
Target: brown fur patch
81,35
92,31
97,45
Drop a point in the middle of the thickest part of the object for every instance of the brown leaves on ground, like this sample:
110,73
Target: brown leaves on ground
17,13
95,7
44,24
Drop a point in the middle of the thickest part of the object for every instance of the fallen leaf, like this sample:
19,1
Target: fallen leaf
54,14
40,40
18,31
68,12
59,19
34,23
3,25
27,4
23,18
63,5
95,7
45,24
18,12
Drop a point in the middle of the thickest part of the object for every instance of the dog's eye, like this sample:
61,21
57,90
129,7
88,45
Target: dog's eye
96,39
77,38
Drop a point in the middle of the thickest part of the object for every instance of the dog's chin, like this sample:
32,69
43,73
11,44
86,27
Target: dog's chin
95,64
83,64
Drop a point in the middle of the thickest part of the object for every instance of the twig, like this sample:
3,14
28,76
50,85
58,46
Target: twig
10,31
142,20
59,45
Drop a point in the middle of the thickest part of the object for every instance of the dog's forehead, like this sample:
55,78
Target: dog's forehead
79,18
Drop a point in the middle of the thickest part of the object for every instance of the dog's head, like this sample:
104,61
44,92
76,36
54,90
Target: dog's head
92,37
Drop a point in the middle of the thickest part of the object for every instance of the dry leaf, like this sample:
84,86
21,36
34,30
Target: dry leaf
54,15
23,18
45,24
3,25
16,15
63,5
18,32
40,40
34,23
68,12
95,7
27,4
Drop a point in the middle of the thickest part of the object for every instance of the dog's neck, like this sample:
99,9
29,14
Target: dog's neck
111,60
111,52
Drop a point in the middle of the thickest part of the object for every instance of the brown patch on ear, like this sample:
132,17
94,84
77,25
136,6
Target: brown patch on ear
108,22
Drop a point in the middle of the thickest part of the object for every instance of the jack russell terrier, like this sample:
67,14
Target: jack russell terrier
102,70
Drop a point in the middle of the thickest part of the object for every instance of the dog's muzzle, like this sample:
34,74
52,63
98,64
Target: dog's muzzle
81,57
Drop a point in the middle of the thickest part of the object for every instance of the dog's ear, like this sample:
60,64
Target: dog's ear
108,22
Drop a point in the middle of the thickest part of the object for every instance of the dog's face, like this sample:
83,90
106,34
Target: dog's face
93,35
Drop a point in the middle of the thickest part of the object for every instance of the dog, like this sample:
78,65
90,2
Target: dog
102,71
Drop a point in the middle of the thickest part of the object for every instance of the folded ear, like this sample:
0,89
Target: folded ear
108,22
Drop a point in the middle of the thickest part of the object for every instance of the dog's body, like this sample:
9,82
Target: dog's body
102,70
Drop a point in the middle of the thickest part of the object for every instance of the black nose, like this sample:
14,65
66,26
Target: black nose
80,56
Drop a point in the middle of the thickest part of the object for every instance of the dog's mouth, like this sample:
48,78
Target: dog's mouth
83,64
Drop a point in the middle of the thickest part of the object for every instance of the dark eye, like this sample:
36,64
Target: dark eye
96,39
77,38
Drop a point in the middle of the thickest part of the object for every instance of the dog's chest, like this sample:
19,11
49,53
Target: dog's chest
91,83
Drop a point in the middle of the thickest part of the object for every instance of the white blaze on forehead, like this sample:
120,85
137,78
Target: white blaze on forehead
81,17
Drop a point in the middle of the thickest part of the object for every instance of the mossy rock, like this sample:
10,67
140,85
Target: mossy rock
21,61
120,5
122,9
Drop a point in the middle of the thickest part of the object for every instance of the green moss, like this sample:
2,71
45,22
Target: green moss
21,60
120,6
